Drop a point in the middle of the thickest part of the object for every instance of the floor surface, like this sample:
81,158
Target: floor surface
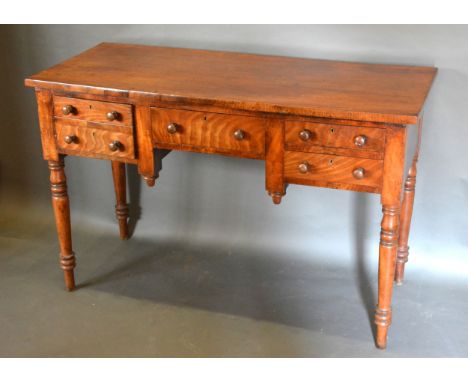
141,298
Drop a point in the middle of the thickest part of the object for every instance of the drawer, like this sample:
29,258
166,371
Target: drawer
333,171
209,132
95,111
302,136
77,138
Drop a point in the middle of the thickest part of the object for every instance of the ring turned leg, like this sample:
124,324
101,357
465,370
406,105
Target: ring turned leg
121,206
405,223
61,206
387,259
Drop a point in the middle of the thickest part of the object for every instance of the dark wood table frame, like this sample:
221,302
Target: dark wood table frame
343,125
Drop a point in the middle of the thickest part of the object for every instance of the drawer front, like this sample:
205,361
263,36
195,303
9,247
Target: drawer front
333,171
94,111
209,132
77,138
301,136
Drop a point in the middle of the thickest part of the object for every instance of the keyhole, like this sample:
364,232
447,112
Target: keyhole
330,162
332,130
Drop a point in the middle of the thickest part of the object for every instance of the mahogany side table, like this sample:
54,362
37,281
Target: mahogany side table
351,126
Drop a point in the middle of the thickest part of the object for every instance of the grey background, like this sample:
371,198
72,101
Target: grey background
220,202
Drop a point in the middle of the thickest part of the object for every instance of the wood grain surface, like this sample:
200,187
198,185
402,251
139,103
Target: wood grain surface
327,135
333,171
335,89
95,111
92,141
212,131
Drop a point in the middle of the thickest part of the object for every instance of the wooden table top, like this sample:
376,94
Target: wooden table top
298,86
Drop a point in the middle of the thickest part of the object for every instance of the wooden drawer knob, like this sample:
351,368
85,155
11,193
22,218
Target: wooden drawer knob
239,135
305,135
112,116
360,140
359,173
303,167
68,109
115,146
70,139
172,128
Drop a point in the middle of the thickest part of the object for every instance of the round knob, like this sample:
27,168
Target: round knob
70,139
115,146
359,173
112,116
360,140
172,128
68,109
305,135
304,167
239,135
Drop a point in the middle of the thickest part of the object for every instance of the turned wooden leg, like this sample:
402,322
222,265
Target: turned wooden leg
121,206
405,223
387,260
61,205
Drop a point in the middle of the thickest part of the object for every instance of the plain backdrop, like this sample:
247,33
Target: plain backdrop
221,200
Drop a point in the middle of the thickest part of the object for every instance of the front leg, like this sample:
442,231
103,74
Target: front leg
121,206
392,183
61,206
387,259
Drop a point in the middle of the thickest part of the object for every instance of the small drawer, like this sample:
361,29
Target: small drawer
209,132
77,138
300,136
94,111
333,171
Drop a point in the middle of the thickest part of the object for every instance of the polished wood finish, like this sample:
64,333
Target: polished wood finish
94,111
45,107
274,164
145,145
331,89
407,212
315,122
209,132
394,164
75,137
61,205
302,136
121,206
332,171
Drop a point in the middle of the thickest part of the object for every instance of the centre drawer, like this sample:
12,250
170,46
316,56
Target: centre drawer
209,132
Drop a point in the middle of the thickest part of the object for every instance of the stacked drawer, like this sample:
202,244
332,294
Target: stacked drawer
94,128
334,156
